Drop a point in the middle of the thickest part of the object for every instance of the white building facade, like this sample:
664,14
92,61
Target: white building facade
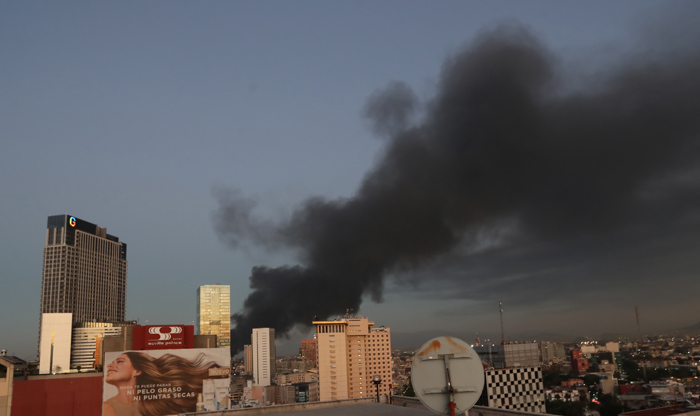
55,342
264,356
85,338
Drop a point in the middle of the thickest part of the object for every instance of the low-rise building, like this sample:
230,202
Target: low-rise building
291,378
552,352
562,394
510,355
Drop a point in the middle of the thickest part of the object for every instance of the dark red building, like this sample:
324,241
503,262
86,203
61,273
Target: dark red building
578,363
76,394
308,350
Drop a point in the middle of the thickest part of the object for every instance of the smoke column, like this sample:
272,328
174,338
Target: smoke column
500,142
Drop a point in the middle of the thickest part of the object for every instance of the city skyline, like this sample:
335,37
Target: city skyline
148,116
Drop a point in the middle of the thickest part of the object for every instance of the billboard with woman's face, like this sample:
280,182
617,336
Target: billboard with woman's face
166,382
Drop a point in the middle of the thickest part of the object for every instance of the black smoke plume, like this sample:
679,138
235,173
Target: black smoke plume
501,142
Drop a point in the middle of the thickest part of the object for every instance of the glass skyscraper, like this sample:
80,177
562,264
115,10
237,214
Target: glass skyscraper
214,313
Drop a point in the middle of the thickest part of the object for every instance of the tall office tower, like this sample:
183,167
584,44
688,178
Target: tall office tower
350,354
264,356
214,313
84,271
248,358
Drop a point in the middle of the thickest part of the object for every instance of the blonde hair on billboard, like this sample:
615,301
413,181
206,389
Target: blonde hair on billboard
172,371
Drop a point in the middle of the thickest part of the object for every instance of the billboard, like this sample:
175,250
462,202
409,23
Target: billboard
164,337
166,382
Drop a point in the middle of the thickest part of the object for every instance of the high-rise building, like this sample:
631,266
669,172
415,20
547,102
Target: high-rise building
214,313
248,358
84,271
264,356
350,354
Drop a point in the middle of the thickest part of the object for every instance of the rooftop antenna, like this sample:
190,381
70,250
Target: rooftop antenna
488,341
639,331
503,338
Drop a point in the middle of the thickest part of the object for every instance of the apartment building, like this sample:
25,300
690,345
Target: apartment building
264,356
350,353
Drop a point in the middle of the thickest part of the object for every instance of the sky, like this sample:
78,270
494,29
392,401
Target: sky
414,161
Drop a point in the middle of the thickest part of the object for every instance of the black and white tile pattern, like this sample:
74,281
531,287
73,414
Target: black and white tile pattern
518,388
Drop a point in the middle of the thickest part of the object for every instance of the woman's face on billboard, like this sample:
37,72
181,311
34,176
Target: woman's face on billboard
121,370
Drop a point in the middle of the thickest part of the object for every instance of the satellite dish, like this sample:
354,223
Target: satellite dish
447,374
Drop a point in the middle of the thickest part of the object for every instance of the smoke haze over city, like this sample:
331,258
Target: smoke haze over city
504,164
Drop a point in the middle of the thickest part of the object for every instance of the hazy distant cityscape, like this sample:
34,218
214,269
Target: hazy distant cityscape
83,334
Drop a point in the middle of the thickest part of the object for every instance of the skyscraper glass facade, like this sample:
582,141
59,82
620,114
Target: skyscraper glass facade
214,313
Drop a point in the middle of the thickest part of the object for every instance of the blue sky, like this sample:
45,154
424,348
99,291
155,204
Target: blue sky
131,114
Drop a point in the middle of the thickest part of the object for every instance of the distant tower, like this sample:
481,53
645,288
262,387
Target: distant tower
308,351
500,307
214,313
264,356
636,314
248,358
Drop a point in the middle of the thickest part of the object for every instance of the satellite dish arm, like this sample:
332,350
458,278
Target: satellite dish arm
451,404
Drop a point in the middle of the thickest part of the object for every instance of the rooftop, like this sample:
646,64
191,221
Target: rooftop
347,407
664,411
402,406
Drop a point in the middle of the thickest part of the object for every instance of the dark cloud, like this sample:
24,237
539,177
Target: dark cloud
517,179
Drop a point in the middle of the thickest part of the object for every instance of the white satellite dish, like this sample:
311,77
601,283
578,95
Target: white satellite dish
447,375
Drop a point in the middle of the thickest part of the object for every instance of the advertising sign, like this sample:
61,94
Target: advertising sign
164,337
166,382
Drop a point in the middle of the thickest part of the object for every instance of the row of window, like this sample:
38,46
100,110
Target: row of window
325,329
